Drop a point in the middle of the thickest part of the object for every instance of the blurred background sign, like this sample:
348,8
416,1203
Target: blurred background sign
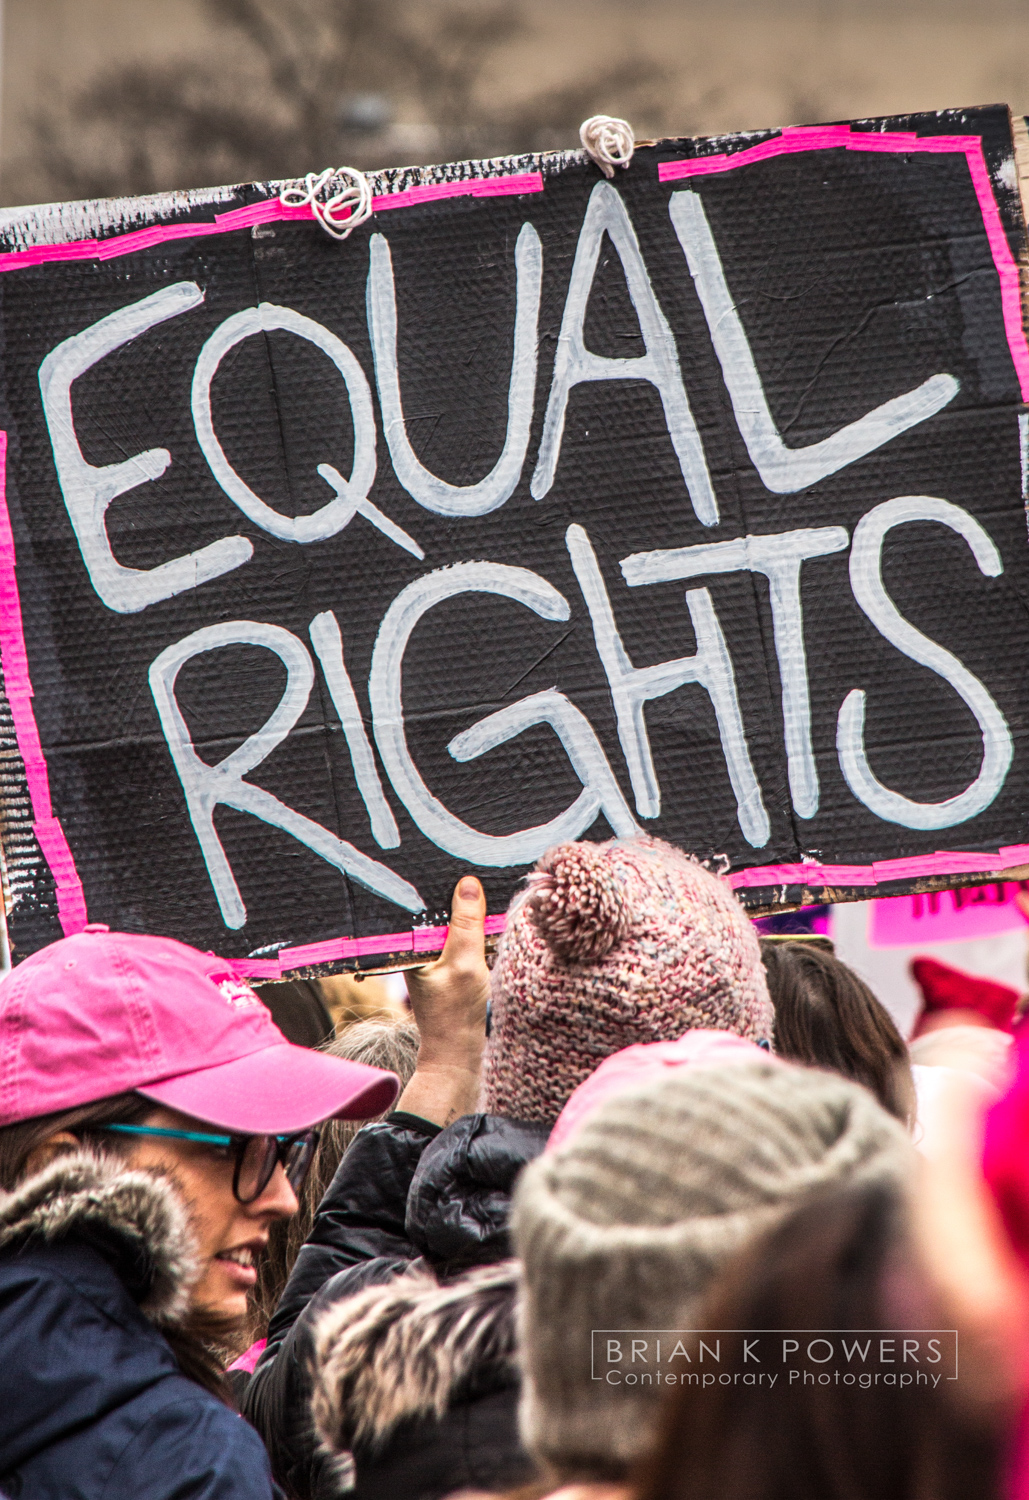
998,955
953,916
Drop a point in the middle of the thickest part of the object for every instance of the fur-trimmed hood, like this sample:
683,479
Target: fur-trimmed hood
95,1265
135,1219
411,1349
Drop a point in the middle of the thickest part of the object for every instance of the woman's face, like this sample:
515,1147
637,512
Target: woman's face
230,1236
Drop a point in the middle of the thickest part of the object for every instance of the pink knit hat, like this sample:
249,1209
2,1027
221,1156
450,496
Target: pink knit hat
647,1062
613,944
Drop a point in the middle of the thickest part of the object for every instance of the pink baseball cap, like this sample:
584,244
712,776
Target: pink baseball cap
103,1013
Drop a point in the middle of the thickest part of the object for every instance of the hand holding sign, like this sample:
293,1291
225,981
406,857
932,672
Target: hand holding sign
448,999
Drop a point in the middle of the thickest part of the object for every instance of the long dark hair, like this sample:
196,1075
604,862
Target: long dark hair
827,1017
19,1141
202,1340
825,1268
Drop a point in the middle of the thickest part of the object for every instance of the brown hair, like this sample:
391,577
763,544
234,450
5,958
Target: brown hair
825,1268
203,1339
17,1142
827,1017
388,1044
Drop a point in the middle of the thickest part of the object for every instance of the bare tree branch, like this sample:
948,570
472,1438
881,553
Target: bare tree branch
276,110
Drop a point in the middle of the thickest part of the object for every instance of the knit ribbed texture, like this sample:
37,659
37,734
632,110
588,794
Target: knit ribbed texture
626,1225
613,944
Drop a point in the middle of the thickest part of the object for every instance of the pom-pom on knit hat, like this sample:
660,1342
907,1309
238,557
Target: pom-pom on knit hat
610,945
624,1227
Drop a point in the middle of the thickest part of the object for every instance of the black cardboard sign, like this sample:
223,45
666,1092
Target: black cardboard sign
542,507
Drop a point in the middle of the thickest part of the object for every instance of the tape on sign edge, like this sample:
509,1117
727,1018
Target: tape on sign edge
271,211
943,862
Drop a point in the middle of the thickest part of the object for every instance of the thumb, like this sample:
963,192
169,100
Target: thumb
466,935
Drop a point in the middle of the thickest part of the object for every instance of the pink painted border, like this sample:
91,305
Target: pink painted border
417,940
943,862
827,137
272,211
71,903
49,833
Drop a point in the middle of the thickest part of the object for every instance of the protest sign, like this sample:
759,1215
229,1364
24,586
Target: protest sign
543,507
948,916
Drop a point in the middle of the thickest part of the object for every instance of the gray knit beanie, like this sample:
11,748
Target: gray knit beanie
625,1226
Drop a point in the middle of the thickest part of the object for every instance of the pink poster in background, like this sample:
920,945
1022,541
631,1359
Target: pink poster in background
947,916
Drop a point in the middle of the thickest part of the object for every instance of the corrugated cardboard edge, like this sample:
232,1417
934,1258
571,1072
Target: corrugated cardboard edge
80,223
1020,137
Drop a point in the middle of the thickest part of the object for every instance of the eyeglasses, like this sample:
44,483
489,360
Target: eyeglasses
256,1156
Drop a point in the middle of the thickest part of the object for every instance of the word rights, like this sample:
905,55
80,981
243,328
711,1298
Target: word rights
688,503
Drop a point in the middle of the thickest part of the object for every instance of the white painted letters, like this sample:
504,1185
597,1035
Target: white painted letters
600,793
783,470
633,687
207,787
88,491
573,362
328,645
594,789
351,494
867,584
434,493
779,558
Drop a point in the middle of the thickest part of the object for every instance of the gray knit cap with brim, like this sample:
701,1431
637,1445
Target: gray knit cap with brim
625,1226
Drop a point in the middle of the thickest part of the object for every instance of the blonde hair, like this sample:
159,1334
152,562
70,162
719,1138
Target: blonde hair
388,1044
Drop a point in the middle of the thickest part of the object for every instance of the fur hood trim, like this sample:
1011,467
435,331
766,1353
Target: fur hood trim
134,1218
411,1349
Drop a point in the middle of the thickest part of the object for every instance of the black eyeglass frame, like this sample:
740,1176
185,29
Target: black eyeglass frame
279,1148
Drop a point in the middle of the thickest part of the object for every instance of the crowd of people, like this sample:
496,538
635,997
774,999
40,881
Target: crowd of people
657,1209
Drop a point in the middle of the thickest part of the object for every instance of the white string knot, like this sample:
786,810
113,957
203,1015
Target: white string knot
340,213
609,141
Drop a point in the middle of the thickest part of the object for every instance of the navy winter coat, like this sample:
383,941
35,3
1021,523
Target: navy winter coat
93,1405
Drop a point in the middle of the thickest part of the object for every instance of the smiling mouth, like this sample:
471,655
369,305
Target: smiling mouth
242,1255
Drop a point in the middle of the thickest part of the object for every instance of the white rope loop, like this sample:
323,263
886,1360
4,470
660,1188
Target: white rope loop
340,213
609,141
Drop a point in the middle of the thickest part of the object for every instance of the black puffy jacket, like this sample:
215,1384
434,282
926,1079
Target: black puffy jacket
407,1196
